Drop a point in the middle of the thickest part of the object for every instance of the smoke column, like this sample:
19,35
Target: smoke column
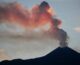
35,27
40,19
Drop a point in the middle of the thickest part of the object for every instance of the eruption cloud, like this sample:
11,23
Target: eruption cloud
39,21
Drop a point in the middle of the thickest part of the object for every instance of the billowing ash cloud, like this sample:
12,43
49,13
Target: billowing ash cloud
15,18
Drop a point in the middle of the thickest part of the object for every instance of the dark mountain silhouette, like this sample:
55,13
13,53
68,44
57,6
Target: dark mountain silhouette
59,56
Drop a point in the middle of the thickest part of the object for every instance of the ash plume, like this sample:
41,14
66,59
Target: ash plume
38,22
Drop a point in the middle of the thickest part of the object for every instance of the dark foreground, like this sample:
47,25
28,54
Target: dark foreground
60,56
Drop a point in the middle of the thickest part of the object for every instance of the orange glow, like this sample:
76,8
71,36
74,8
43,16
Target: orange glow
33,20
50,11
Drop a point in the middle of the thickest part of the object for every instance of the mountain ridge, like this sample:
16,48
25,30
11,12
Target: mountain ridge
63,56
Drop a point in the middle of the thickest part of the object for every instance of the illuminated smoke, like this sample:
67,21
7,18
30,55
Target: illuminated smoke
39,20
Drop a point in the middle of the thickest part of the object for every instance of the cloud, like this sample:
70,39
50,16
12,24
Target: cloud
3,55
77,29
32,43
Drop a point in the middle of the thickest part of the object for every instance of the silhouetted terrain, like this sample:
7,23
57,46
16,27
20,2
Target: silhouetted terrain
60,56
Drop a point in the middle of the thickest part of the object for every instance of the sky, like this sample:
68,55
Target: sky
67,10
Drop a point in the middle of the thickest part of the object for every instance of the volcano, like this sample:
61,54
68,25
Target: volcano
37,22
59,56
